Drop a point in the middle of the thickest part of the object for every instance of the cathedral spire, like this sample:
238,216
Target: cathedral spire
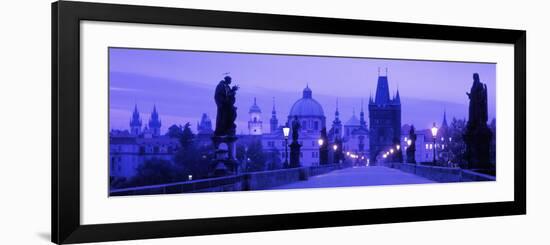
336,113
397,98
362,121
273,112
135,122
444,123
336,130
370,98
382,91
154,122
336,121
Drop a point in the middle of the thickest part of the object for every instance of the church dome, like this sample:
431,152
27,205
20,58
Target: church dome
307,106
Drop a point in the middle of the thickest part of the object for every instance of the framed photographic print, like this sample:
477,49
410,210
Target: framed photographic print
176,122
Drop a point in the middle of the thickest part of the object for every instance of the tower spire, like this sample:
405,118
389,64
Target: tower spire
336,129
273,111
255,121
382,96
154,122
444,123
362,121
336,113
397,97
273,122
135,122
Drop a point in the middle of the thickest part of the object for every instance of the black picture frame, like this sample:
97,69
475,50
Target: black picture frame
66,18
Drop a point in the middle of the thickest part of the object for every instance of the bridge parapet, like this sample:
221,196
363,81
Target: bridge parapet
245,181
442,174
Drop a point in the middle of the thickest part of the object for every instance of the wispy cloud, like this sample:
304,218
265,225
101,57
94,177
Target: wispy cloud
119,89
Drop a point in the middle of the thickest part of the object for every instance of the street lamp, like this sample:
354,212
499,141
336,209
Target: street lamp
286,132
397,146
434,133
323,150
336,153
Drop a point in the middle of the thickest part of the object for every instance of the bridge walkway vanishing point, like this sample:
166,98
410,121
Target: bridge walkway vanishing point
358,176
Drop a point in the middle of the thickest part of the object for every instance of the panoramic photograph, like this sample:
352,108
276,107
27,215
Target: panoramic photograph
186,121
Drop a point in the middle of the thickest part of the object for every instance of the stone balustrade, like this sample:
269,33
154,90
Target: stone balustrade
244,181
442,174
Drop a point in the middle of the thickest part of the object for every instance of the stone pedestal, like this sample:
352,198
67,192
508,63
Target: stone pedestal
478,143
295,155
323,154
410,154
225,162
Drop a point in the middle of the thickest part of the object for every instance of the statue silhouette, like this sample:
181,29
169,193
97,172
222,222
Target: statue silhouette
478,135
411,148
295,129
226,110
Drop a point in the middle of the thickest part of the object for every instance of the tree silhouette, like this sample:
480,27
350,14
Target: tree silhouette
457,147
193,159
155,171
252,150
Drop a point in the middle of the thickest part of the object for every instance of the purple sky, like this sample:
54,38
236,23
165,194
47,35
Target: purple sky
182,83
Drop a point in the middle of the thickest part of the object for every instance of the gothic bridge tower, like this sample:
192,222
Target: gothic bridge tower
385,119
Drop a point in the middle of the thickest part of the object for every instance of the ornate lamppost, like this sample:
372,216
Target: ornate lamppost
286,132
323,147
321,143
336,155
434,134
399,153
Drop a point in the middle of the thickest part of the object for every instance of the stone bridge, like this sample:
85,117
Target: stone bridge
333,175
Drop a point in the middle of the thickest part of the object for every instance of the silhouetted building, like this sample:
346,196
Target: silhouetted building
204,131
312,119
205,125
135,122
273,122
356,136
154,122
335,132
128,150
385,119
443,139
255,122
